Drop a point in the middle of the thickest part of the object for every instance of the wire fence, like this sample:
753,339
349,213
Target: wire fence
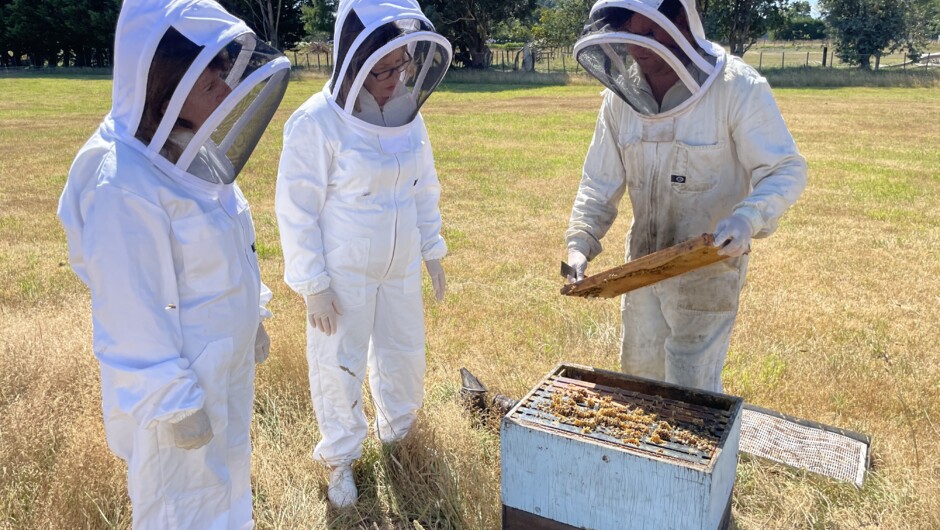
824,58
561,60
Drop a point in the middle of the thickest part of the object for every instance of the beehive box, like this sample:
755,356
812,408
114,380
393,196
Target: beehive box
589,448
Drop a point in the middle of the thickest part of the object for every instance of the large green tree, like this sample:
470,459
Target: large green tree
561,23
862,29
57,32
923,26
469,24
740,23
799,23
319,17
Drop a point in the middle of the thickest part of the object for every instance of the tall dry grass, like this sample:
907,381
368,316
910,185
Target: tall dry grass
836,322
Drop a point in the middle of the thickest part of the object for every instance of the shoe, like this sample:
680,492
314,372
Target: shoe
342,490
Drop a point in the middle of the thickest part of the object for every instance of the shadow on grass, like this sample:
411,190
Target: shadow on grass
406,484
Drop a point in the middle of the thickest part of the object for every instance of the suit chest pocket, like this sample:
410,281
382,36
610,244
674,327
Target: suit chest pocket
210,255
698,168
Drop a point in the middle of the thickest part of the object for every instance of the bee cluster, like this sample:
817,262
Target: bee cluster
630,424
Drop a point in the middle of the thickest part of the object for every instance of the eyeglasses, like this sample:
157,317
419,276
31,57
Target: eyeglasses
385,74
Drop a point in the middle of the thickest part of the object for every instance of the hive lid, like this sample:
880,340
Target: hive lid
803,444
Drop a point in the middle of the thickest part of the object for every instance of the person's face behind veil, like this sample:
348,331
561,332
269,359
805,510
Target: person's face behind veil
207,94
385,76
650,62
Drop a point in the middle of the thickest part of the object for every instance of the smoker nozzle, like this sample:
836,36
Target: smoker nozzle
473,393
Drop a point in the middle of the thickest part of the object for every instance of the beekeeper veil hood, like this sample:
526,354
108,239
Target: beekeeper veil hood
194,88
387,61
628,42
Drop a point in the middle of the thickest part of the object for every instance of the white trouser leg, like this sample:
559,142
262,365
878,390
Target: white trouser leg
241,399
644,331
695,353
337,368
397,360
209,487
701,308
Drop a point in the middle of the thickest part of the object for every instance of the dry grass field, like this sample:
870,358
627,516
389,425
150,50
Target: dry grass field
837,322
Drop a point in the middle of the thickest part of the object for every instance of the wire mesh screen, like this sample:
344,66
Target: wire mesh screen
802,444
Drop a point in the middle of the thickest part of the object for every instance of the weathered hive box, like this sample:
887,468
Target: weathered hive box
594,449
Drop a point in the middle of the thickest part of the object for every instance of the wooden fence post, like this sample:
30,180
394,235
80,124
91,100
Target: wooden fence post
807,59
760,61
307,56
783,58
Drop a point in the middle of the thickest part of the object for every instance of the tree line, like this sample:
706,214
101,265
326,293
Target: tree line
81,32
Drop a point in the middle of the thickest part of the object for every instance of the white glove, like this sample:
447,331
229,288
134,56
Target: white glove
262,344
323,310
438,281
579,263
193,431
733,236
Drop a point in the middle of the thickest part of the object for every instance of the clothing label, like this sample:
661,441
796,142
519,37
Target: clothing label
678,179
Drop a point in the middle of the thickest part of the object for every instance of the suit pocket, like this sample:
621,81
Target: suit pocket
698,168
712,289
208,245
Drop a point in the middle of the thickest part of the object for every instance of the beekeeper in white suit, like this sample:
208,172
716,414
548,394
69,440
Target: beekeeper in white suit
696,140
357,206
163,238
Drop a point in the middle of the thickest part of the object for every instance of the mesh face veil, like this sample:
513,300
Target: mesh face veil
206,109
388,61
651,53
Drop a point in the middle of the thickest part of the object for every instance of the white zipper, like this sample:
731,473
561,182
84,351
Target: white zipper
653,186
246,247
395,226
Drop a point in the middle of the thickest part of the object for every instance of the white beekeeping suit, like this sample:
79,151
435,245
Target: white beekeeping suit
164,239
696,140
357,206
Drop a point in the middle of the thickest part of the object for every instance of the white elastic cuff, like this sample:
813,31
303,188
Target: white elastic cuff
580,246
181,415
753,217
437,251
320,284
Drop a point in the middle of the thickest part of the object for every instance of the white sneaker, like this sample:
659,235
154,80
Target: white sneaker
342,490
